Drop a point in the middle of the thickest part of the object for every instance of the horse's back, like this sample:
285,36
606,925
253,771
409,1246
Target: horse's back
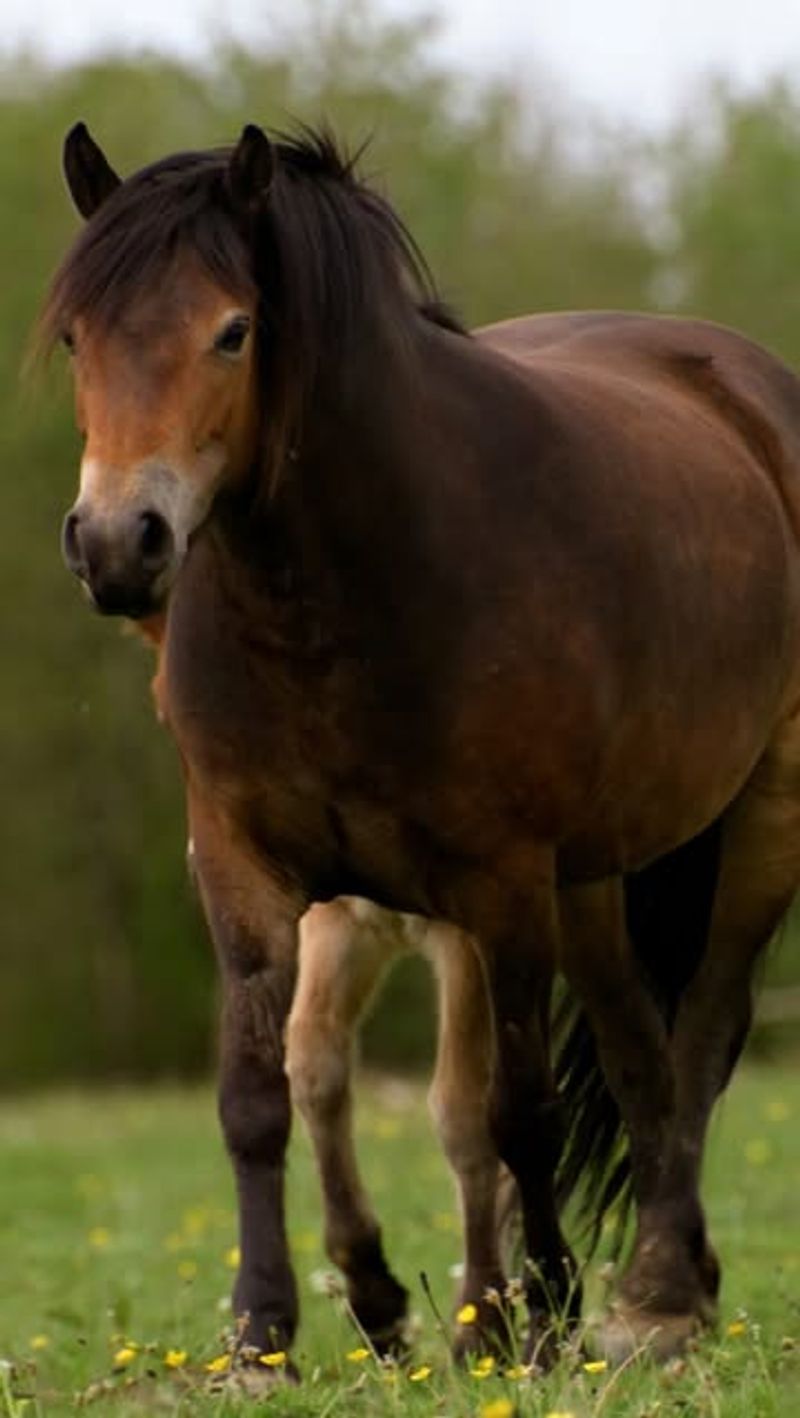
668,356
638,342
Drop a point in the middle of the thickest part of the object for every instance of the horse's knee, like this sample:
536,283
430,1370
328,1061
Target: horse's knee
255,1113
318,1067
462,1126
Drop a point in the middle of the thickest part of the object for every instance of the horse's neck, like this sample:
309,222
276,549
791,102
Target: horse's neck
414,431
357,486
381,513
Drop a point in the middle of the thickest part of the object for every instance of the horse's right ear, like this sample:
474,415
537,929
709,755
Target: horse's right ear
90,177
251,168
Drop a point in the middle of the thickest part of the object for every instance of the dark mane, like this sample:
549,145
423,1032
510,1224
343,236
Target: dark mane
324,251
132,240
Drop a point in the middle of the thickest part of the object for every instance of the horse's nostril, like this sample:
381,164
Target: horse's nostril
155,540
70,544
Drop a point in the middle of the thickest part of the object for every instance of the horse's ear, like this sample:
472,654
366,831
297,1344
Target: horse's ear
90,177
251,167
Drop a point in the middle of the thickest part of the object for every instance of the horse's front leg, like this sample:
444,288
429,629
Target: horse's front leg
253,921
344,948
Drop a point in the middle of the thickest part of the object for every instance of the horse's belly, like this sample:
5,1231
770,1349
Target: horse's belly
661,796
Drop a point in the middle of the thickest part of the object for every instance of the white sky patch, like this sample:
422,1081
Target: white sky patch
632,59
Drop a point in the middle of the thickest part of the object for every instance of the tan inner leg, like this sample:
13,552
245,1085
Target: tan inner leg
345,947
459,1101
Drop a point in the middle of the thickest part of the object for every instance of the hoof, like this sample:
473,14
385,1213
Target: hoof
380,1305
626,1331
491,1332
247,1378
392,1342
544,1345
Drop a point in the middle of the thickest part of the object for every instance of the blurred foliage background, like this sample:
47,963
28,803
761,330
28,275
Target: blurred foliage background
520,203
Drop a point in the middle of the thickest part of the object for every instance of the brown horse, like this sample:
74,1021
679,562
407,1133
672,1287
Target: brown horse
452,621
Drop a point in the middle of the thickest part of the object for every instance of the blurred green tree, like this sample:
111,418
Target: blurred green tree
733,185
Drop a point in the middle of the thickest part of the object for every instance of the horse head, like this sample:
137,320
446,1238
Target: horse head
158,307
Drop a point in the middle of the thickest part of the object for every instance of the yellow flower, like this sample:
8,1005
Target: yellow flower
445,1221
518,1371
233,1257
467,1314
562,1414
757,1152
196,1220
483,1367
274,1360
39,1341
124,1356
99,1237
386,1128
498,1408
595,1366
736,1329
220,1365
175,1358
777,1111
417,1376
89,1186
305,1241
187,1269
357,1356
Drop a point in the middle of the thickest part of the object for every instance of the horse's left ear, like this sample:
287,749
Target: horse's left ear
90,176
251,167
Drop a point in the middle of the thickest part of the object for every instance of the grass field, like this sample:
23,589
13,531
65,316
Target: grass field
117,1243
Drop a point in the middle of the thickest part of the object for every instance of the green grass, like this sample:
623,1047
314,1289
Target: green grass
116,1224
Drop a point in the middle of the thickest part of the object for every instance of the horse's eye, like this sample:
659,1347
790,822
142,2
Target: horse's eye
68,341
232,336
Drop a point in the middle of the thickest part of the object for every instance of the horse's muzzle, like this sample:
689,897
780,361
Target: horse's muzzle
124,564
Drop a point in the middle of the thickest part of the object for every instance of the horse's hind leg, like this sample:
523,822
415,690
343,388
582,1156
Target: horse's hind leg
671,1285
344,948
459,1101
526,1123
629,1030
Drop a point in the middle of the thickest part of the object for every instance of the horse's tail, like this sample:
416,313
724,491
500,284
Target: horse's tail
668,913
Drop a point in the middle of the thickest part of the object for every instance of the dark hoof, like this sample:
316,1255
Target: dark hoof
490,1331
392,1343
380,1305
251,1378
544,1343
627,1331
